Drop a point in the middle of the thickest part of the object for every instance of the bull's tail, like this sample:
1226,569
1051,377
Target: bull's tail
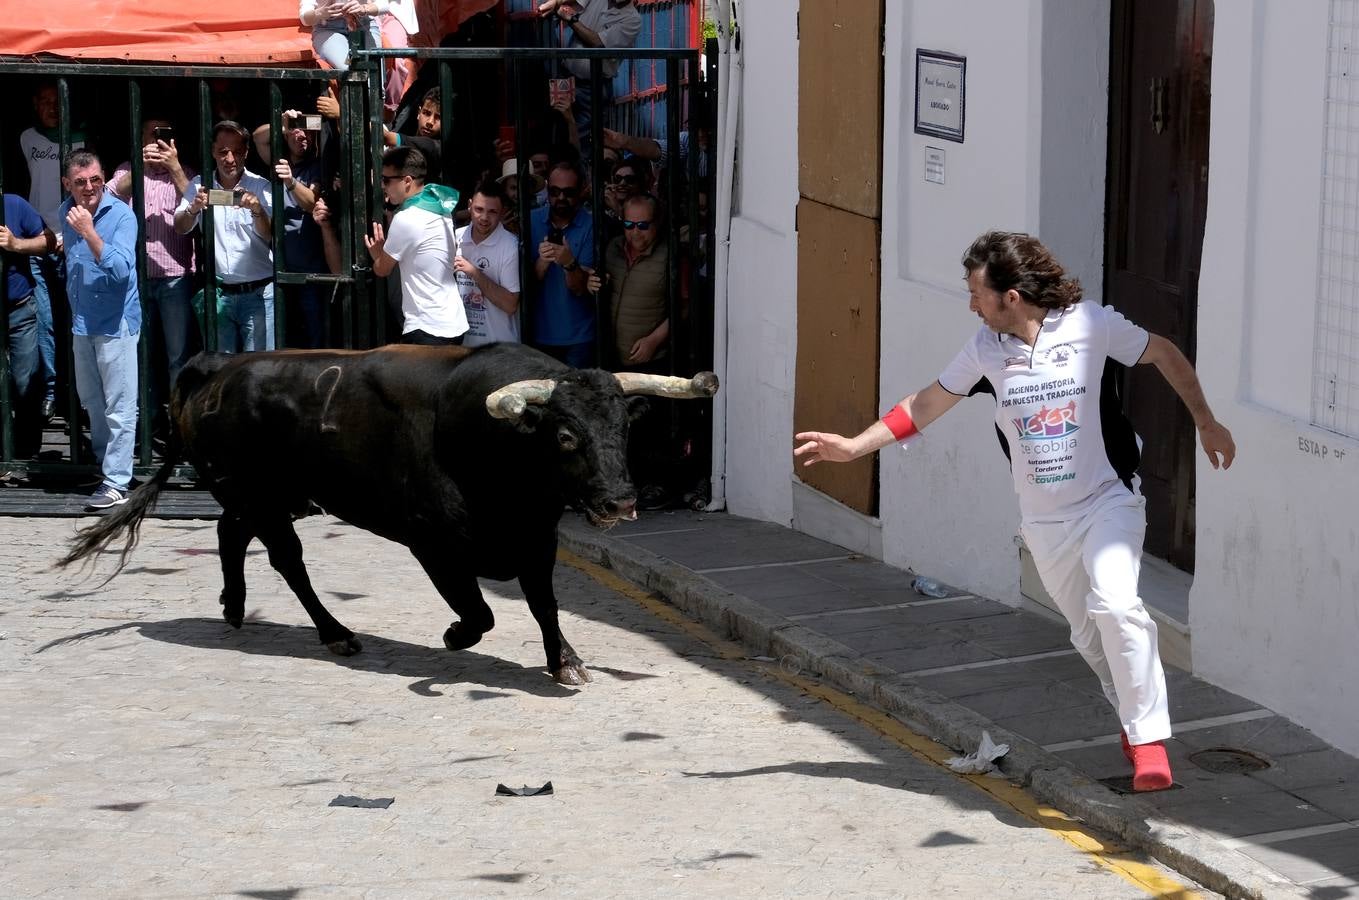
125,519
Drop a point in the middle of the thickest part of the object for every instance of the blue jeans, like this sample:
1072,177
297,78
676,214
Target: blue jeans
24,367
171,330
49,277
245,321
106,379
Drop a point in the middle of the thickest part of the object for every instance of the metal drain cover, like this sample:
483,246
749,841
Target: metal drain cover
1228,761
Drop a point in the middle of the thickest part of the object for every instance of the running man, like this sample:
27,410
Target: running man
1042,354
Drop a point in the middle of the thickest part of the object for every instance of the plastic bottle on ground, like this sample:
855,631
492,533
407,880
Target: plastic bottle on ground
928,587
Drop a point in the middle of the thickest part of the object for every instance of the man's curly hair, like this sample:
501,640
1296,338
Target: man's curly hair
1011,260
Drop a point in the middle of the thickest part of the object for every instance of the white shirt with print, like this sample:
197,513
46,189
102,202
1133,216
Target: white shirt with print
498,259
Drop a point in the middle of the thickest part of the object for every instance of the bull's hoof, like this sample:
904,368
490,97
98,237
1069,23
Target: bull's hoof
345,646
233,611
459,637
572,675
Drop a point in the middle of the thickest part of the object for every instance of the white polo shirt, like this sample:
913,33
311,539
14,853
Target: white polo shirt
422,243
239,252
1065,445
498,258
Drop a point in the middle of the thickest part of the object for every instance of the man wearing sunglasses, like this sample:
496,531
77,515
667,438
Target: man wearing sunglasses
421,239
564,233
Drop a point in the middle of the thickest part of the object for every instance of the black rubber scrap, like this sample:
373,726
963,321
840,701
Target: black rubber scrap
363,802
524,791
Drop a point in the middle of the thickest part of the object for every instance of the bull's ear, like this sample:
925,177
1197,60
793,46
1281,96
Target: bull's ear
529,419
637,407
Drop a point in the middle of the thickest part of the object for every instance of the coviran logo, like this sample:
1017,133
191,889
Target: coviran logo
1048,423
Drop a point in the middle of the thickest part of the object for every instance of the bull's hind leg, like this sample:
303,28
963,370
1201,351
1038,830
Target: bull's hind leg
233,536
459,588
285,555
566,667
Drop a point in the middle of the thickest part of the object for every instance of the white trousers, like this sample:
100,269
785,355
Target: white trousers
1090,567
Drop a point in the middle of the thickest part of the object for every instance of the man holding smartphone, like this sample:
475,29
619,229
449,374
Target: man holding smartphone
170,327
242,239
594,23
564,233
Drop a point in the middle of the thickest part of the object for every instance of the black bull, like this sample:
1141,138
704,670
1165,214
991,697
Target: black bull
467,457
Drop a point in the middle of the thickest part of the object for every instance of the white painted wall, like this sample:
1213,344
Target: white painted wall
1275,603
762,280
1032,160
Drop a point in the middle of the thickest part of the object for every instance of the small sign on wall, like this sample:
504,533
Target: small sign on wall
934,165
940,95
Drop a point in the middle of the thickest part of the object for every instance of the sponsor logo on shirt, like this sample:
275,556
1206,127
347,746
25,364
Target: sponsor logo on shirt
1056,422
1016,362
1059,355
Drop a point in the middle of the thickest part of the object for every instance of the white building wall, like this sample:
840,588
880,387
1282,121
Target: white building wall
762,279
1275,603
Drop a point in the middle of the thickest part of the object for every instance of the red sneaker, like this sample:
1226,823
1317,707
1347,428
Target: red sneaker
1151,766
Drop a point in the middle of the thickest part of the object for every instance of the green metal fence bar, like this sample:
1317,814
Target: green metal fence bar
18,65
353,161
603,315
6,401
137,171
522,167
64,340
530,53
672,185
278,151
206,180
445,122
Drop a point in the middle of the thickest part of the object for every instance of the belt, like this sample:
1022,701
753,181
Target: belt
243,287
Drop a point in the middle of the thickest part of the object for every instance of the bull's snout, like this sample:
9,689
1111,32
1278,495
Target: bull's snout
626,508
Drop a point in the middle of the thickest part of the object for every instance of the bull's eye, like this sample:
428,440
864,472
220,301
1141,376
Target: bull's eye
566,440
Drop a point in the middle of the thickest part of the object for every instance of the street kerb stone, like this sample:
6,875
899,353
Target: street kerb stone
1177,845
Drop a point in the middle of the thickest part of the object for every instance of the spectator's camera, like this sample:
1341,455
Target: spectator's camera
218,197
556,236
305,122
163,133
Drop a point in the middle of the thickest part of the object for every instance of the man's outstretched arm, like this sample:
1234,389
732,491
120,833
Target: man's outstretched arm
920,408
1179,374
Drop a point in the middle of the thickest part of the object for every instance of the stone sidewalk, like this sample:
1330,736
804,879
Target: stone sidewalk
954,666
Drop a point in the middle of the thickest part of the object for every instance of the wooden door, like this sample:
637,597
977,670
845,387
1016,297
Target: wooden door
839,217
1160,59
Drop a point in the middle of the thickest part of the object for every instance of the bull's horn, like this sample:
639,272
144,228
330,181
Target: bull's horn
509,401
702,385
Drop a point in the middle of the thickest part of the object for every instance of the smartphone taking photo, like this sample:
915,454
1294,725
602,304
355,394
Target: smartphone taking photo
163,133
218,197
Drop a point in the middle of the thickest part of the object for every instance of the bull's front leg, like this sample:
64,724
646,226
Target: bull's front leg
461,592
566,667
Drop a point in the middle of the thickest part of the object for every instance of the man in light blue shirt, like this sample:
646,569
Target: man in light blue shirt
99,234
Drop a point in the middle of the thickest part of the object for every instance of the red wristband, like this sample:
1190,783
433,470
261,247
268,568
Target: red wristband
898,421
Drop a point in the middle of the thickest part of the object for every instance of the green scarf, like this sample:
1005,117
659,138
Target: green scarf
434,198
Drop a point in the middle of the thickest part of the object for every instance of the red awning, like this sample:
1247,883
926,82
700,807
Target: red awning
256,32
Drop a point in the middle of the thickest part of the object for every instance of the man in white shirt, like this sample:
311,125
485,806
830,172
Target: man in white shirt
488,269
421,241
42,153
242,238
1042,353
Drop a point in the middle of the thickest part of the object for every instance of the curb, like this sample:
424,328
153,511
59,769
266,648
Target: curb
1191,852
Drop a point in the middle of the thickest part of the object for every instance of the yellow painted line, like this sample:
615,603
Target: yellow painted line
1107,854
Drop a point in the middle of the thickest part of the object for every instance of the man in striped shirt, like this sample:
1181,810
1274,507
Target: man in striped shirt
170,324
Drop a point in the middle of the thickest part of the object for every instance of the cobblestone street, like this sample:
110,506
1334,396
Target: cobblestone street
151,751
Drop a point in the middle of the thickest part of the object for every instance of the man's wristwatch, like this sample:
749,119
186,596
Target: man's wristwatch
571,20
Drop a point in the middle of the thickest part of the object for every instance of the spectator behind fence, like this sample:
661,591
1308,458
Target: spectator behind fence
509,180
23,235
42,153
303,245
637,268
172,333
100,237
594,23
488,269
331,22
428,137
564,233
244,294
421,241
396,24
